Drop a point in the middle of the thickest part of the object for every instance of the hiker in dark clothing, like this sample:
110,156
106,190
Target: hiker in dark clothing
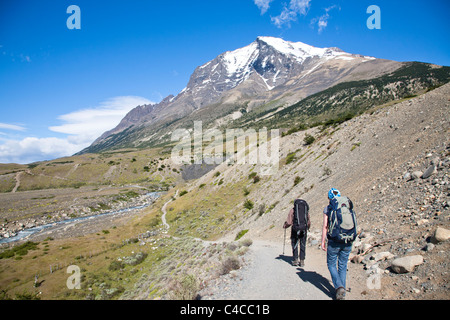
299,219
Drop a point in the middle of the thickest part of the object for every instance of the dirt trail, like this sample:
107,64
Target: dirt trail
163,209
17,182
269,275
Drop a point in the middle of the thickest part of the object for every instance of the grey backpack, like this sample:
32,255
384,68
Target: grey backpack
341,221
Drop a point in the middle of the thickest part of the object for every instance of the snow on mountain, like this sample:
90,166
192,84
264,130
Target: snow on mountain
264,70
240,60
299,50
270,59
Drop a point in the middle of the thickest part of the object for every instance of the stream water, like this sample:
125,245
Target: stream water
31,231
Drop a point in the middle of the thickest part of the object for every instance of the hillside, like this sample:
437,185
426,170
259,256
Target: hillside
373,158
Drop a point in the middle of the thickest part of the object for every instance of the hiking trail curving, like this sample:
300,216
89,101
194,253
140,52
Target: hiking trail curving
269,275
163,209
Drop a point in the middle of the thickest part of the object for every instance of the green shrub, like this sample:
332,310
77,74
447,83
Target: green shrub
182,193
240,234
309,139
297,180
290,157
20,250
248,204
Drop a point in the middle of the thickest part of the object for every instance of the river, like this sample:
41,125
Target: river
23,234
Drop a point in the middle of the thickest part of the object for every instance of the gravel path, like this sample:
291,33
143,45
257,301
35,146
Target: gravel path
163,209
269,275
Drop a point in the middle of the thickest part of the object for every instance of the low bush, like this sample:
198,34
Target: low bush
229,264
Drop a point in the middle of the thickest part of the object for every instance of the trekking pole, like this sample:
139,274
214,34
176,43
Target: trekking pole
284,241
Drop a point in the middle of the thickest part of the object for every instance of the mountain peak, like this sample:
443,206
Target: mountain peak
267,69
299,50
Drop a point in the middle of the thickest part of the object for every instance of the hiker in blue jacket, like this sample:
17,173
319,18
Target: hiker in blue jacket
339,247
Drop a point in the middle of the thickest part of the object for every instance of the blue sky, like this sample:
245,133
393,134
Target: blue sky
60,88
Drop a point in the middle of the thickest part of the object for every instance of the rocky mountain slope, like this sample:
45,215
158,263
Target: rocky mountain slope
392,161
266,70
394,165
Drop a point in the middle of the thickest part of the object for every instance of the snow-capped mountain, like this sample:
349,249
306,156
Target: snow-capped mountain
273,60
267,69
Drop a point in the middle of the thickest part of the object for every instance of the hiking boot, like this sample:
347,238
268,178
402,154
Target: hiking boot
295,262
340,293
302,263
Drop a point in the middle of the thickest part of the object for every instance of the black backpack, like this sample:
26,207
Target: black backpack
300,216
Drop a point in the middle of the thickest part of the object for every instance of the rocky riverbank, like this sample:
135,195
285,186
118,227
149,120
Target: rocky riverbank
12,229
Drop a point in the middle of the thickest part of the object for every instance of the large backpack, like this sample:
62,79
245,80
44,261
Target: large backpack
300,216
341,221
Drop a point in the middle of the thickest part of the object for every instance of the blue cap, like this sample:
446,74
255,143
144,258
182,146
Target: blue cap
333,193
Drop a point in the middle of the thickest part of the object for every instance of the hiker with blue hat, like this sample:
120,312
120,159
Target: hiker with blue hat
339,228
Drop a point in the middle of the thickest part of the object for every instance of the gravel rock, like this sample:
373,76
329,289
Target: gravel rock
429,172
406,264
441,235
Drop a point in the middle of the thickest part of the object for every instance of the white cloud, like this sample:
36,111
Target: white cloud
88,124
322,21
263,5
11,127
289,14
33,149
82,128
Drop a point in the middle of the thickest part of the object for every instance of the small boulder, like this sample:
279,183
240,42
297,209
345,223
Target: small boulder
441,235
406,264
430,171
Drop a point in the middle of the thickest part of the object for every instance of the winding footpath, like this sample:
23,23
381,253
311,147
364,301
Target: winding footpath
164,210
269,275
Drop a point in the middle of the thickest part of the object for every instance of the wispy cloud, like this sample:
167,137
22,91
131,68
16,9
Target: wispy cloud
291,12
82,127
263,5
322,21
88,124
14,127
